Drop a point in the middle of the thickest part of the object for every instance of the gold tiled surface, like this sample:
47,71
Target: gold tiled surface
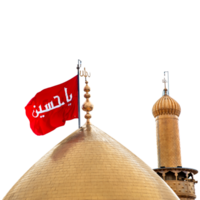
183,187
90,165
166,105
168,141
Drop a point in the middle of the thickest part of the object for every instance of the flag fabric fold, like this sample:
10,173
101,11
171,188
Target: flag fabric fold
51,107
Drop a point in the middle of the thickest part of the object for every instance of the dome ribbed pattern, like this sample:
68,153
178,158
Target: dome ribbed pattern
166,106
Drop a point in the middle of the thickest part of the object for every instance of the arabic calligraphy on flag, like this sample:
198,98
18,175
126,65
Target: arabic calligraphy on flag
51,107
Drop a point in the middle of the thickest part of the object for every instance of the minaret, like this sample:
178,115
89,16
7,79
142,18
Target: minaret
166,112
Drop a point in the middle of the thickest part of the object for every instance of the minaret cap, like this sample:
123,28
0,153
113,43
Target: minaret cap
166,105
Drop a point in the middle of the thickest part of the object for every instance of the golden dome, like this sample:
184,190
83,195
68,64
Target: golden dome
89,164
166,106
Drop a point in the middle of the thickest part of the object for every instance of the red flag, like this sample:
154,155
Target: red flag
51,107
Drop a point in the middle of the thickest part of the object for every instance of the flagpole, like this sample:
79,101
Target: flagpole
78,67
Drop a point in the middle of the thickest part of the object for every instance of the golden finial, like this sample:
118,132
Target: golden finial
163,81
87,106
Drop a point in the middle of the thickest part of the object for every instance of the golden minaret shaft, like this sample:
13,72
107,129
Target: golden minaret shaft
169,165
166,112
